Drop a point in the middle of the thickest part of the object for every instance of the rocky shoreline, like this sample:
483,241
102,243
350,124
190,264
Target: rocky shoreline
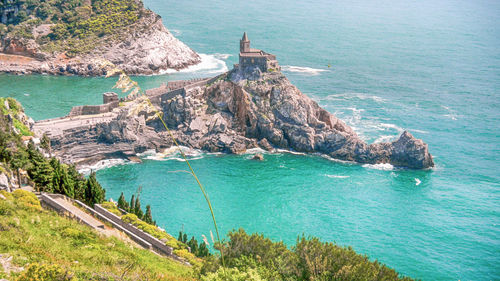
147,48
236,111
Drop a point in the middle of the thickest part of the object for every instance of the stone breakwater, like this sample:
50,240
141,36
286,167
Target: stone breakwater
147,48
231,113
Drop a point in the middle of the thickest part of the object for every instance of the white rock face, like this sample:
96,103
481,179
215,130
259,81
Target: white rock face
151,50
147,48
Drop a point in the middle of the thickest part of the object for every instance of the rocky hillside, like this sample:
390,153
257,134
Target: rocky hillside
238,111
73,37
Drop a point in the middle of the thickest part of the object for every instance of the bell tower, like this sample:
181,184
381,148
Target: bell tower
244,44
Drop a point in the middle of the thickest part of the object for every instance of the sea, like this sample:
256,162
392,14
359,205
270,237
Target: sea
429,67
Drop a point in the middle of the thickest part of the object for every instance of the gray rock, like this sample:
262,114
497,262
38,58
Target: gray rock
229,115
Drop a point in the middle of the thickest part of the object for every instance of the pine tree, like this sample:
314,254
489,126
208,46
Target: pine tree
20,160
202,250
132,204
94,193
40,171
180,236
78,182
193,244
122,203
137,209
148,217
184,238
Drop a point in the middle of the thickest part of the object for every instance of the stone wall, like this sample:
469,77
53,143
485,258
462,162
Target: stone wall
93,109
158,245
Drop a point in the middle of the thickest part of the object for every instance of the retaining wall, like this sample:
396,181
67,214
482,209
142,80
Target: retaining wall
158,245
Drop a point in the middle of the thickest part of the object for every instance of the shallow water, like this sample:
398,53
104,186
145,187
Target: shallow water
431,68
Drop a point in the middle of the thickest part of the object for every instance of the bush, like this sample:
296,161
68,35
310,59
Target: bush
46,273
27,199
192,259
111,207
232,274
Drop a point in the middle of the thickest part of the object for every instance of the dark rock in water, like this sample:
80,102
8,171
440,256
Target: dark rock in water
230,114
258,157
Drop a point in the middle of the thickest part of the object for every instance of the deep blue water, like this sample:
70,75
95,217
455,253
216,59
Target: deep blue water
431,67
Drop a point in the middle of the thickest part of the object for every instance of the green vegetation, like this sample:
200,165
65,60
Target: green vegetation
51,247
309,259
200,250
49,175
76,25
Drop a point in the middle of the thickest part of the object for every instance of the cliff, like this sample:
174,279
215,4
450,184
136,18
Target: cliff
65,40
233,112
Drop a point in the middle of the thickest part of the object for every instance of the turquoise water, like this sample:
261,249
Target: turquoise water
432,67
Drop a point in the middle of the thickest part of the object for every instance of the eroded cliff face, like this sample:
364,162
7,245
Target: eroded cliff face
146,48
240,110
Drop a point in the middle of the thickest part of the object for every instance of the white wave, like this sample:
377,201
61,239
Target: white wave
419,131
303,69
255,150
451,113
349,96
176,32
391,126
172,153
222,56
209,64
327,157
417,181
384,139
103,164
27,95
380,166
337,176
289,151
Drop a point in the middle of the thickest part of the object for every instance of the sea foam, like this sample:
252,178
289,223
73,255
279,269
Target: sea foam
103,164
210,64
380,166
303,69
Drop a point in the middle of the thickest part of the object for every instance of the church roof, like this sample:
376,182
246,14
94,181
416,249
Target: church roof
245,37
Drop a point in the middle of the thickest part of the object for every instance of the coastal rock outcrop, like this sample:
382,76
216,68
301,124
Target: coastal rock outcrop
229,113
143,48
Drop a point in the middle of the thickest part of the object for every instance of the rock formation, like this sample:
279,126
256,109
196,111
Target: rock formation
236,111
147,48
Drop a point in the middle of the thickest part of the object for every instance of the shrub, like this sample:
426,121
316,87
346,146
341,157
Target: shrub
27,199
110,206
46,273
232,274
192,259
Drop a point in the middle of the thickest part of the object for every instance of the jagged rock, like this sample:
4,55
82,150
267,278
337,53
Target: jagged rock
230,115
4,182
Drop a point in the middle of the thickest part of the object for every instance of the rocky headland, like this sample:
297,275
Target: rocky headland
128,35
241,109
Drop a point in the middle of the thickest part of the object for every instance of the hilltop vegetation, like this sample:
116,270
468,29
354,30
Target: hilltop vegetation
74,25
42,241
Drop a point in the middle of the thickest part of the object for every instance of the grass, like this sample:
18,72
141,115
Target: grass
32,235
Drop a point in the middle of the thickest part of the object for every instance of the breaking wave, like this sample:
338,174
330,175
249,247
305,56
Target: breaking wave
103,164
303,69
336,176
172,153
222,56
350,96
381,166
210,64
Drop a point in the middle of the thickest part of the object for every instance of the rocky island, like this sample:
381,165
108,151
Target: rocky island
253,105
71,37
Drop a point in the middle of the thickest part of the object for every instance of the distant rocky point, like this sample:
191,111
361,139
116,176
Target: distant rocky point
253,105
67,40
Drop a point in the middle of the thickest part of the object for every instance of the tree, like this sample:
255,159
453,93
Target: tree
137,209
148,217
19,161
180,236
132,204
193,244
45,144
122,203
94,193
40,170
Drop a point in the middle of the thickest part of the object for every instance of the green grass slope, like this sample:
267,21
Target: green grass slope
32,235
